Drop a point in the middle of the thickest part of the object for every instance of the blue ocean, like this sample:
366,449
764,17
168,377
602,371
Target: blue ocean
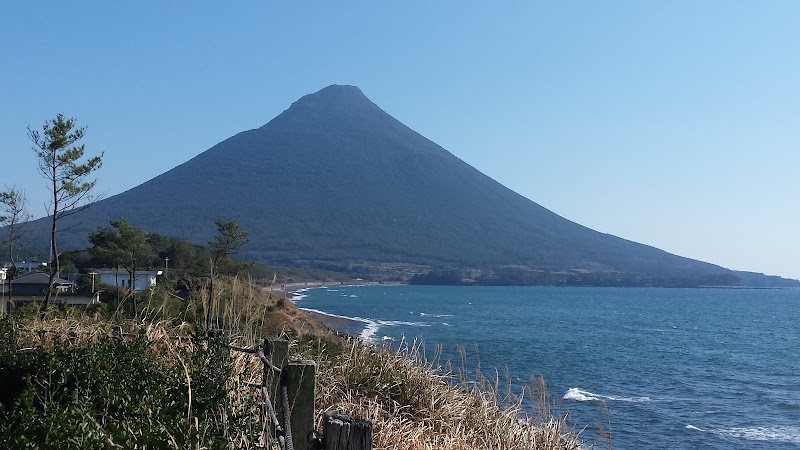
676,368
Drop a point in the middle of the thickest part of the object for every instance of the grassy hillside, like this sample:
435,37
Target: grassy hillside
74,380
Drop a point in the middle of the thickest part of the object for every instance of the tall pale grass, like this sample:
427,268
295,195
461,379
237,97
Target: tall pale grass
415,404
413,401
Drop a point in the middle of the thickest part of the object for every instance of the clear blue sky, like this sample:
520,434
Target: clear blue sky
675,124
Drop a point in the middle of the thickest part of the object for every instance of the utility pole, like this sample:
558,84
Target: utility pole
166,266
92,274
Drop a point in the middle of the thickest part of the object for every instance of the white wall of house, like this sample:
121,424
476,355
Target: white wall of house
144,278
3,300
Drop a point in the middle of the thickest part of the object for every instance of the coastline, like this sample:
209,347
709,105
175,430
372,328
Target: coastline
354,328
342,325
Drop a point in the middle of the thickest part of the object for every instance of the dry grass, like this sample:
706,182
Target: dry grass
413,402
416,405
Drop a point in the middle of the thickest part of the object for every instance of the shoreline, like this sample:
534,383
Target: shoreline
347,326
342,325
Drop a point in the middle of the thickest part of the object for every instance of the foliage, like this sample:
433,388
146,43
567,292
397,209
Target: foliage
122,245
226,243
524,276
452,277
113,392
188,263
61,164
65,383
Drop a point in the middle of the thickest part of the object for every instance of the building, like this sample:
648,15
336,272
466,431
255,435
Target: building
33,286
145,279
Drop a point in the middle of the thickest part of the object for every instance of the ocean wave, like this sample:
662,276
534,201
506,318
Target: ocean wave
787,404
435,315
708,411
299,294
585,396
369,332
790,435
371,326
358,319
392,323
777,434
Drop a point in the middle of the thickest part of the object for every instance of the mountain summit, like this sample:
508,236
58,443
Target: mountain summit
335,180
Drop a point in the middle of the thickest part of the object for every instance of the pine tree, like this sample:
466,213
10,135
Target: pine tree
61,163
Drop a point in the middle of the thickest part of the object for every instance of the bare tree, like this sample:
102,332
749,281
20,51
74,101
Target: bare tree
60,163
13,215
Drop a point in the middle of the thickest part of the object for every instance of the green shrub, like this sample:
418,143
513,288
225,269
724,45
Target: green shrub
112,392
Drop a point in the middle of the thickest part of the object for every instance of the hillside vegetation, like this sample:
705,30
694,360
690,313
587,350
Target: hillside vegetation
73,380
336,182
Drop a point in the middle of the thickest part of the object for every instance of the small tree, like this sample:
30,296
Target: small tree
227,242
123,245
13,216
67,177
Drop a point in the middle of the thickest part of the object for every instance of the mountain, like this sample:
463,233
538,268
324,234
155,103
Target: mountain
335,180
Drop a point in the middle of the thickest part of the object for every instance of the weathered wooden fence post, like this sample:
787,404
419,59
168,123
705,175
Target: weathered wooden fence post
342,432
276,351
300,376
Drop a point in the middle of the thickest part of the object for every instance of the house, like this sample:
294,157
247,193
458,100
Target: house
145,279
33,287
36,283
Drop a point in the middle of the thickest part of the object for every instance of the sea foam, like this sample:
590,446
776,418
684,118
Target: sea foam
299,295
790,435
434,315
779,434
585,396
371,325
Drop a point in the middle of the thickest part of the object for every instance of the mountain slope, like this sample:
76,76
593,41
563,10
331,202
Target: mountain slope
335,178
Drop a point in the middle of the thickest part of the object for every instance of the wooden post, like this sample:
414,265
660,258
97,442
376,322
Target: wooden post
300,386
342,432
276,351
